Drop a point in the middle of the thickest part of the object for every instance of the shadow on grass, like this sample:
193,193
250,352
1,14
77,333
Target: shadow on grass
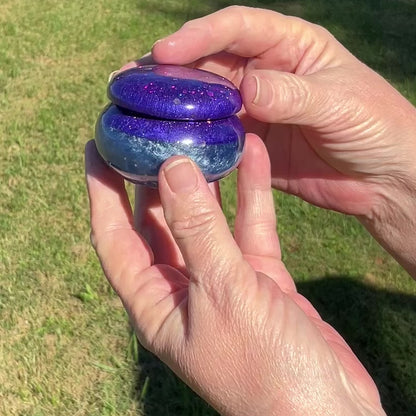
166,394
377,324
379,32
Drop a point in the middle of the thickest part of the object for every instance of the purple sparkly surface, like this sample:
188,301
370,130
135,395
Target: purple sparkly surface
175,93
199,133
159,111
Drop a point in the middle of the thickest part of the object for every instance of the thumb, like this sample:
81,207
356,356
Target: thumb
282,97
199,227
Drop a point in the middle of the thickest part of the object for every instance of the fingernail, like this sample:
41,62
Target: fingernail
112,75
256,92
158,41
181,176
131,64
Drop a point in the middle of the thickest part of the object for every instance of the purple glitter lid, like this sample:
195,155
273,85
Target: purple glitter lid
175,93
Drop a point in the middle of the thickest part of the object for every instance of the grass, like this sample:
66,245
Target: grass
65,344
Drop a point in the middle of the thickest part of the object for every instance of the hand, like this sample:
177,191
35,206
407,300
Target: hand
338,135
222,312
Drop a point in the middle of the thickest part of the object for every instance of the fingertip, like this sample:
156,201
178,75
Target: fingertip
162,50
92,157
146,59
182,47
274,96
249,88
179,175
89,147
169,165
155,47
254,147
258,93
96,170
128,65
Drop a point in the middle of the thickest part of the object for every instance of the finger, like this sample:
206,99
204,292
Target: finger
255,223
146,59
247,32
151,224
199,227
122,252
154,297
280,97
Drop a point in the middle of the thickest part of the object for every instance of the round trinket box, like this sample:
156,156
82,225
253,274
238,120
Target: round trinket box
158,111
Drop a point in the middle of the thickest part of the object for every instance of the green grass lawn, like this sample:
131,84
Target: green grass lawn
65,343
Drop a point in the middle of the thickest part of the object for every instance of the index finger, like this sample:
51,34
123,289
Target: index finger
246,32
151,224
123,253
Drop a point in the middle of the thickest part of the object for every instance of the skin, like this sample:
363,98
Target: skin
221,310
338,135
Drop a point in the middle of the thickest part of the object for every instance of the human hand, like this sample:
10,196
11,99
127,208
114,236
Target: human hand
222,312
339,136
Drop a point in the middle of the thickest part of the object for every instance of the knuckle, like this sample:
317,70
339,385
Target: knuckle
321,31
236,9
193,225
101,238
294,96
191,24
239,16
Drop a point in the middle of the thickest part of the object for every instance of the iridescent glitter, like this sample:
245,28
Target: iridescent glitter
175,93
163,110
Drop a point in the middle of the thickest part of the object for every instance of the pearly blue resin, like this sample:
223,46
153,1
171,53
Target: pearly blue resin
145,126
137,146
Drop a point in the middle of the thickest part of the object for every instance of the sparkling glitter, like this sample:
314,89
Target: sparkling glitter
164,110
148,89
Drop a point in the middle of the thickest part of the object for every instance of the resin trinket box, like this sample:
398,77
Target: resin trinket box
158,111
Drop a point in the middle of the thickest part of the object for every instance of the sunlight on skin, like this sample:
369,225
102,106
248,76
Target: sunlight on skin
326,118
267,339
203,300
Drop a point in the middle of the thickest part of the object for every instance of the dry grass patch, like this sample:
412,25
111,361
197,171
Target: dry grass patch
65,344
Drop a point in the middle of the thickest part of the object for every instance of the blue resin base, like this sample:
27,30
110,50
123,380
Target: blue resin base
137,146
